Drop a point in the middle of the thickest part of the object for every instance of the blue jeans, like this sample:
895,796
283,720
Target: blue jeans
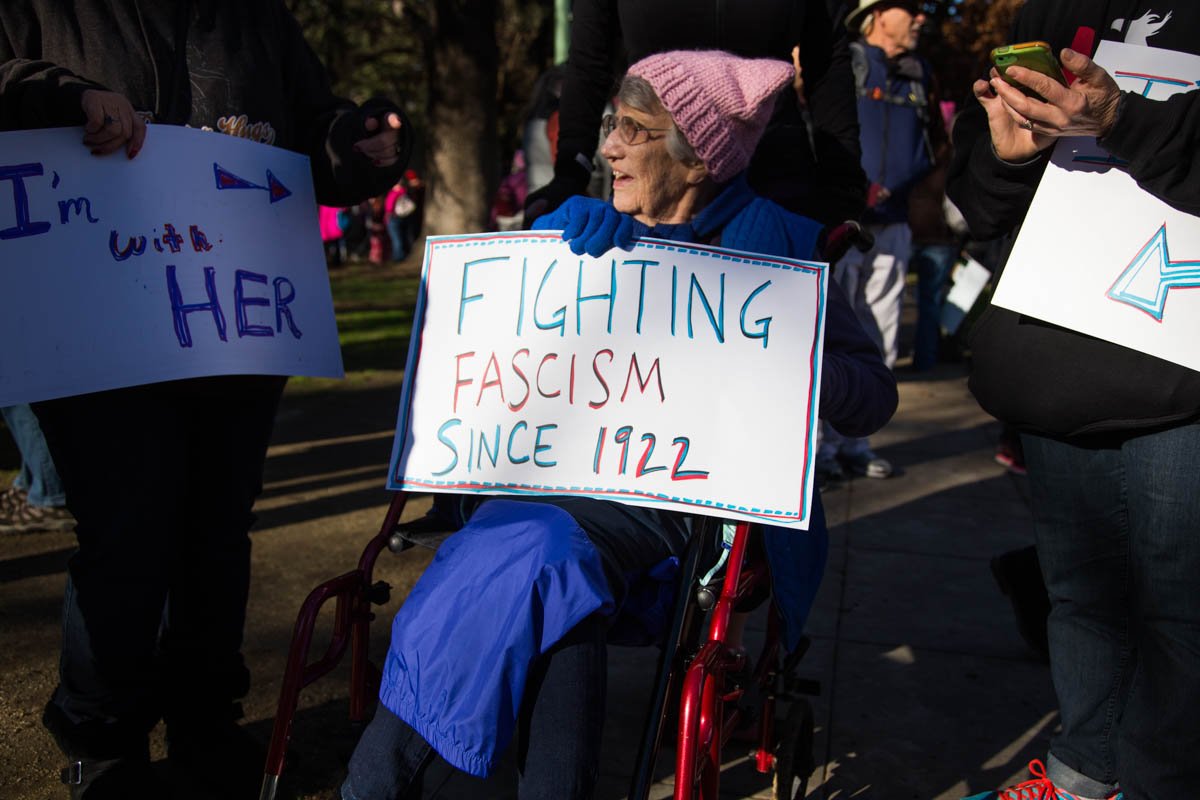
37,476
396,232
933,263
1118,537
558,742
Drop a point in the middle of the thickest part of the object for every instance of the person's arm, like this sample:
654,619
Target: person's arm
587,83
356,151
1161,141
39,94
832,103
858,391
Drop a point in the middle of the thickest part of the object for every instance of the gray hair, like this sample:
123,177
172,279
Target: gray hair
637,93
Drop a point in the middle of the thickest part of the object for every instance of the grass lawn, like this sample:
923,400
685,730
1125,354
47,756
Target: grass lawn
374,307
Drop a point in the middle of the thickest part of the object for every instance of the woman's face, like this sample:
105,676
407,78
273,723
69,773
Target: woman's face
648,183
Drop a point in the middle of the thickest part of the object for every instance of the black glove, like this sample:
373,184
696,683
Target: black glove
553,194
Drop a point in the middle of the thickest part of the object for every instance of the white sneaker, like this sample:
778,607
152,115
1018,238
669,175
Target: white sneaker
867,465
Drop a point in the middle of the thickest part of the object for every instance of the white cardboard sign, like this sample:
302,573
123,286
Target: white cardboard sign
1093,253
678,376
199,257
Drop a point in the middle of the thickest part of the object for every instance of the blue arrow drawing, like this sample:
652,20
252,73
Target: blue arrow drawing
1151,275
227,180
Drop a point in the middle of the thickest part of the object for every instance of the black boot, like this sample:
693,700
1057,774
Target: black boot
105,761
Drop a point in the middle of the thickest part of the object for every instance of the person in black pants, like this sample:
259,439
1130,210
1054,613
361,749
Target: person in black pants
162,478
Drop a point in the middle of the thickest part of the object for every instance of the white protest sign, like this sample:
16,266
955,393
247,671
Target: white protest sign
1093,253
678,376
199,257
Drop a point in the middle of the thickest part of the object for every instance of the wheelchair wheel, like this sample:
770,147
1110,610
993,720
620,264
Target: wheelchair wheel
794,753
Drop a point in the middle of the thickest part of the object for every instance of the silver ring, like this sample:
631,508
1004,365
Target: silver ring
1027,124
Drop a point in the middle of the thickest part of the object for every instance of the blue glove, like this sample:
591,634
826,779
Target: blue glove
589,226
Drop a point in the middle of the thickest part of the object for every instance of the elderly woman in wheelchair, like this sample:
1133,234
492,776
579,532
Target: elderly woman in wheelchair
505,634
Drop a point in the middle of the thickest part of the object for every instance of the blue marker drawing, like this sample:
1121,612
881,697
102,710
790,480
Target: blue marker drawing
227,180
1152,274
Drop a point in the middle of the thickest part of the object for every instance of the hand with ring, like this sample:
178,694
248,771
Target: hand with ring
110,123
385,145
1088,107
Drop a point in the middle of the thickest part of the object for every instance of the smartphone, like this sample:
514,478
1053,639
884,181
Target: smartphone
1036,56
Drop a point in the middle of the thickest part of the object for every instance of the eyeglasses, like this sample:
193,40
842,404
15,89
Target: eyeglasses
632,132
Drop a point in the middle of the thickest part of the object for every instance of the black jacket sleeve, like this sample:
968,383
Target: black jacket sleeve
832,102
328,126
39,94
993,195
587,83
1161,141
858,391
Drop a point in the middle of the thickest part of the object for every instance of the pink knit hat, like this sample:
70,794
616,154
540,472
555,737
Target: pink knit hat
720,102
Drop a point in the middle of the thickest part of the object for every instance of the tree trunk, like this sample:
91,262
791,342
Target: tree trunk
462,147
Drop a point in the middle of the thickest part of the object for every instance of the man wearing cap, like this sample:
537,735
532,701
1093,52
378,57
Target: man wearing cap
894,131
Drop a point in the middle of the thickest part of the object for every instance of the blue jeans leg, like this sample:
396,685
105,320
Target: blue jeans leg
933,263
38,476
395,229
558,745
562,717
1117,535
388,761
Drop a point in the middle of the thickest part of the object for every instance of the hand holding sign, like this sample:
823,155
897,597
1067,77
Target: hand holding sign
111,123
589,225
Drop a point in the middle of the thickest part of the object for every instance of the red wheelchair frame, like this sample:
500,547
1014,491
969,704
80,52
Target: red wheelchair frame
709,677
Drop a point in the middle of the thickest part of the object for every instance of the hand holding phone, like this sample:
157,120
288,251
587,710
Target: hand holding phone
1036,56
1021,125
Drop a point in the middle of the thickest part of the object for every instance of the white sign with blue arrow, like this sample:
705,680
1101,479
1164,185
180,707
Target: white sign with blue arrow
199,257
1102,256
